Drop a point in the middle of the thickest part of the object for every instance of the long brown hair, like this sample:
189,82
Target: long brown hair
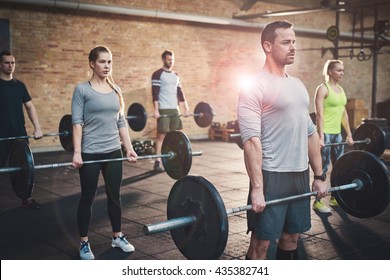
93,56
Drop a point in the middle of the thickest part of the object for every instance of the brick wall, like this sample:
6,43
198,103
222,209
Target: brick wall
51,48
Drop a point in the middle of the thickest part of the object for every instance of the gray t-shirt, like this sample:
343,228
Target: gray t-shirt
166,89
275,109
98,114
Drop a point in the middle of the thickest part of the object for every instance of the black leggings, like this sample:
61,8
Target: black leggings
89,175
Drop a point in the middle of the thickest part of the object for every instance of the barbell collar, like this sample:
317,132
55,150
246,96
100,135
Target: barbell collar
131,117
235,135
169,225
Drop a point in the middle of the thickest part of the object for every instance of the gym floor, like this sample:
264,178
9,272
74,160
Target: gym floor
51,232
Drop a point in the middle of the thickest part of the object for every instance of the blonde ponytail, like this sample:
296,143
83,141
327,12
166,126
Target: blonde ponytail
112,84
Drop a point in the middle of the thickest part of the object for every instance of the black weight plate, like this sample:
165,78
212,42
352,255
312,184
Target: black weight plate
374,197
21,156
207,238
206,112
178,143
377,135
66,139
137,117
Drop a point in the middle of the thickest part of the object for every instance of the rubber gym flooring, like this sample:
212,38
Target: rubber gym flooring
51,232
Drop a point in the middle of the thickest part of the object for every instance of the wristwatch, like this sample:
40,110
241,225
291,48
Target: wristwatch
321,177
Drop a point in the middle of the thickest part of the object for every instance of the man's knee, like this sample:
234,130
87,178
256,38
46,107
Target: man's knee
288,241
287,247
258,248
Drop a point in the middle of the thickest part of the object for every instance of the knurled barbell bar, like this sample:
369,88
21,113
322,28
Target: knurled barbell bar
368,137
198,219
176,158
64,132
137,116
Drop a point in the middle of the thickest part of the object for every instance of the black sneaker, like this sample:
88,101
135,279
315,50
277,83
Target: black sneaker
30,203
158,166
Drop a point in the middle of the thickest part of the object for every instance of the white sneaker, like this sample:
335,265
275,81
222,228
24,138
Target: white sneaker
122,243
85,251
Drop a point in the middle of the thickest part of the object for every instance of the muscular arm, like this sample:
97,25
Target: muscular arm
33,116
315,162
320,95
253,163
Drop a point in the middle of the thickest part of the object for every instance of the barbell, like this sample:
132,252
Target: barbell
368,137
198,219
176,158
137,116
64,133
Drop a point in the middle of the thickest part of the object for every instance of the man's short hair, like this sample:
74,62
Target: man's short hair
165,53
4,53
268,34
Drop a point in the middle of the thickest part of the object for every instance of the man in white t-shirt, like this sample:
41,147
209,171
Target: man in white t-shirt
167,95
279,140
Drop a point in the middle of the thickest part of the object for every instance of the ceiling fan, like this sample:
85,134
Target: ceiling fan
325,5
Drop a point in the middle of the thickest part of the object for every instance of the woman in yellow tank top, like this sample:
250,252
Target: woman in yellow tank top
330,101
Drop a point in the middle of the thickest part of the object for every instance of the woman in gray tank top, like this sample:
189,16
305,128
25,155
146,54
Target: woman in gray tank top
99,128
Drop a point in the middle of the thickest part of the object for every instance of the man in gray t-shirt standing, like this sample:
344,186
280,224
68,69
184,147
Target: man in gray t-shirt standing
279,140
167,95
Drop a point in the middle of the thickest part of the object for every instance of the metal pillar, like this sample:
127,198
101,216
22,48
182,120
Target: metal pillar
375,66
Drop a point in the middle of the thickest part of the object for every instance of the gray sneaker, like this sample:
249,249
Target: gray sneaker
121,242
85,251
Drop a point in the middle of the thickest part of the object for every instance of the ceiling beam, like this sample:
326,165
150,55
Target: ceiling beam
341,7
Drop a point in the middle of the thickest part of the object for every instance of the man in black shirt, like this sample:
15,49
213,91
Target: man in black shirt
13,95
